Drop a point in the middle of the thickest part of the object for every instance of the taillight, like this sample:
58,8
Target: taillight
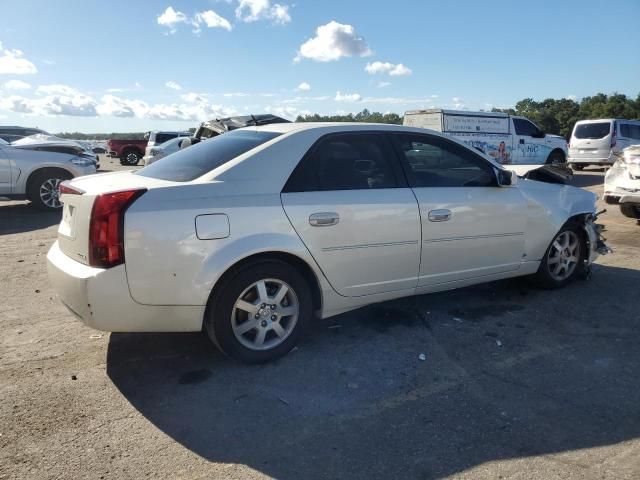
613,139
65,187
106,227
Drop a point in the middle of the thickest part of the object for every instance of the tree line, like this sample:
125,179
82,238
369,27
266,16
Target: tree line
556,116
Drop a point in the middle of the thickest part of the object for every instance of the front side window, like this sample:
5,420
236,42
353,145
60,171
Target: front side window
592,131
344,162
436,162
629,130
525,127
193,162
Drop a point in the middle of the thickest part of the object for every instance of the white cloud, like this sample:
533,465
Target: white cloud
458,102
173,85
12,62
332,42
253,10
57,88
113,106
303,87
171,18
211,19
17,85
76,104
115,90
393,69
571,97
192,97
347,97
383,84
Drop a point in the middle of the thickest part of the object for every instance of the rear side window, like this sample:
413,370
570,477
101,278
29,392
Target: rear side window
436,162
193,162
359,161
163,137
592,131
629,130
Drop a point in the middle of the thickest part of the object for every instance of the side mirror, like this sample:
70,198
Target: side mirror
507,178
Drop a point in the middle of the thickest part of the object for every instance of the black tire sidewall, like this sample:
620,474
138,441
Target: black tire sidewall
218,318
544,276
125,161
36,183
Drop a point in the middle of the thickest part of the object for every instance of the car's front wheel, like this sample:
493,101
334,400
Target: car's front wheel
564,258
130,157
44,189
260,311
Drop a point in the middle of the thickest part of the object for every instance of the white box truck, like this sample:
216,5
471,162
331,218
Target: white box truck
511,140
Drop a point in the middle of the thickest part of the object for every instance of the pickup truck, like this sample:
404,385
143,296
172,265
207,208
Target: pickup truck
128,151
509,139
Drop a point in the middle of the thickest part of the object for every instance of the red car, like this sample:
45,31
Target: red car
128,151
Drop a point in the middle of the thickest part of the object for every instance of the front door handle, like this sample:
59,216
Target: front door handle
522,141
439,215
324,219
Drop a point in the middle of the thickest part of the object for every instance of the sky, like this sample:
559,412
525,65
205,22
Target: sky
97,66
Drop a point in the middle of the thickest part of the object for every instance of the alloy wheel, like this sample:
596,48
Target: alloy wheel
564,255
265,314
50,193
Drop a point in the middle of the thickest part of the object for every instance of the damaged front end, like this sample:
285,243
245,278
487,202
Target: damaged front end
622,183
596,245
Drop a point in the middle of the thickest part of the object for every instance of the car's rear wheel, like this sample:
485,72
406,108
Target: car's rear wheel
130,157
260,311
44,189
564,258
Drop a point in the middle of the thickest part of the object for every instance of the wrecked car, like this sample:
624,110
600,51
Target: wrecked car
622,183
216,127
280,223
33,168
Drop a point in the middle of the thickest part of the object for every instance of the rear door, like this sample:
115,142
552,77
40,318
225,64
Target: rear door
470,226
350,205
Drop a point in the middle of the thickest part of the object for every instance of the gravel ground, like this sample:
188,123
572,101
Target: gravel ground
516,383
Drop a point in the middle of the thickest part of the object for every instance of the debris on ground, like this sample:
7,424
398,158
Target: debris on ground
422,357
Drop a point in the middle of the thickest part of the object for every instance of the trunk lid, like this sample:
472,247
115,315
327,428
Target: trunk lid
73,231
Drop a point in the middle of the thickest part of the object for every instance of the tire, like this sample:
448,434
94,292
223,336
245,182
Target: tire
630,210
238,331
43,189
130,157
550,274
556,158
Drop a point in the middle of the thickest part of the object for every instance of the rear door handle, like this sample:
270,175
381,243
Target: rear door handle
522,141
324,219
439,215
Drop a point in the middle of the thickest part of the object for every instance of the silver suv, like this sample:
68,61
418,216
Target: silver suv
35,171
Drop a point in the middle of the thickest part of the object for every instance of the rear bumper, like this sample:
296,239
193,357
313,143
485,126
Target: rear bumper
100,298
587,159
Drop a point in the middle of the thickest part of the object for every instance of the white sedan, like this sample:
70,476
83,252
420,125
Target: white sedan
253,233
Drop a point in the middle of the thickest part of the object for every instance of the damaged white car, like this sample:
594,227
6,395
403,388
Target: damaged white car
622,183
251,233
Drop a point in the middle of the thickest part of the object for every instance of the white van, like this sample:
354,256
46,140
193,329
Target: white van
600,142
509,139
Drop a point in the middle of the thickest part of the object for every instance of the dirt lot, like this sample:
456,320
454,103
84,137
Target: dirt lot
517,383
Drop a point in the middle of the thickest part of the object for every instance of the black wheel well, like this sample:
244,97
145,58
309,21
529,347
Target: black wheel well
288,258
33,175
554,151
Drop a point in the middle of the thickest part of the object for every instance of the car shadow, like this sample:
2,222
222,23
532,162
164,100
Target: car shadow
422,387
587,179
19,217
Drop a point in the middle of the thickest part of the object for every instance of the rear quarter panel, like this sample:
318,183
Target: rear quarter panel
166,262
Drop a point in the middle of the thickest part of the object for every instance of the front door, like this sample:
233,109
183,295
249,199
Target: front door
349,204
5,173
529,146
470,226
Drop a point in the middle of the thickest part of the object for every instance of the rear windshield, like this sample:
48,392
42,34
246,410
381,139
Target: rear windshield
196,160
592,130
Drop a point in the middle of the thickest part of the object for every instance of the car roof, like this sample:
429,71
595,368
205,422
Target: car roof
336,126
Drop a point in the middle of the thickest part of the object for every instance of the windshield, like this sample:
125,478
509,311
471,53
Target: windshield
193,162
2,142
592,130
